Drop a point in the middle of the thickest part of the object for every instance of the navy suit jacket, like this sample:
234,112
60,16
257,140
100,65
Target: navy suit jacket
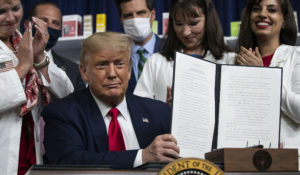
71,69
133,80
75,132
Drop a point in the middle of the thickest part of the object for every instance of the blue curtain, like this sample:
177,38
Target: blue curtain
229,10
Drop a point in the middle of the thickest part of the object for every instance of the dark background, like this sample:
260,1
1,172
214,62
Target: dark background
229,10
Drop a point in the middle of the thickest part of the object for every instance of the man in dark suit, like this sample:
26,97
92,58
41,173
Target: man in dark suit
137,17
50,13
80,128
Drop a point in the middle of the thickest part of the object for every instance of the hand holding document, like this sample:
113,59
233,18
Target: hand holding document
217,106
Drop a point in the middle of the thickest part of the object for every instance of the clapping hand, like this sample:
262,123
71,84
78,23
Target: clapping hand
40,39
249,57
25,52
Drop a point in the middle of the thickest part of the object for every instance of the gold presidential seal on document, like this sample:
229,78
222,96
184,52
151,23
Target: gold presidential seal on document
191,166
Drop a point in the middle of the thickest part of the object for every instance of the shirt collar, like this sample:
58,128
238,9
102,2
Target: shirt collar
104,109
149,46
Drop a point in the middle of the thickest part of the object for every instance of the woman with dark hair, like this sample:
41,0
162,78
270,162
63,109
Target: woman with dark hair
195,29
268,31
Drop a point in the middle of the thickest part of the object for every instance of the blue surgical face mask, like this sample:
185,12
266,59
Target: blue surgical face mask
54,34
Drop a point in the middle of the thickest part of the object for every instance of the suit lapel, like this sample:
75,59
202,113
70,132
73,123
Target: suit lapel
95,120
140,120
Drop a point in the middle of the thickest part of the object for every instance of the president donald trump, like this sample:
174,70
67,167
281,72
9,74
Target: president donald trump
100,125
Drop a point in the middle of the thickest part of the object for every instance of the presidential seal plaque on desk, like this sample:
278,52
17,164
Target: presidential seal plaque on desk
191,166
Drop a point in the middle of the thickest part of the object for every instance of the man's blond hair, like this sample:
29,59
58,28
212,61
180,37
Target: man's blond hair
105,40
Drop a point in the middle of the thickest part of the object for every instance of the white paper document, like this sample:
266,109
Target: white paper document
244,100
249,107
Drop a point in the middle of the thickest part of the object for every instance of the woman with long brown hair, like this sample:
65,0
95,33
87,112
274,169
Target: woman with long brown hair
195,29
267,35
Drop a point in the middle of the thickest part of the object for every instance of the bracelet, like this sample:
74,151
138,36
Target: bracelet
43,63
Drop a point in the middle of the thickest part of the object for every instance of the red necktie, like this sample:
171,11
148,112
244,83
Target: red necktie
115,137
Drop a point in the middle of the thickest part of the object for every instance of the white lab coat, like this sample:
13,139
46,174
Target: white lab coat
12,96
288,57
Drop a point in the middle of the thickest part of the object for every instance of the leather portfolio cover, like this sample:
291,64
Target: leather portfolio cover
255,159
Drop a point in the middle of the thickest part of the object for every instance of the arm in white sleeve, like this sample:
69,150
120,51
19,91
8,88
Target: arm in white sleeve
60,85
144,86
11,90
291,95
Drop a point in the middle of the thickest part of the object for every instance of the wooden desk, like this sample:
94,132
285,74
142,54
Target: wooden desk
137,172
92,170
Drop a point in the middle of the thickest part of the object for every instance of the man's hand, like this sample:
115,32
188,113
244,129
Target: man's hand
249,57
163,148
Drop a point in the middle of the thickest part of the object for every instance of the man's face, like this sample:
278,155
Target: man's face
107,72
136,9
50,14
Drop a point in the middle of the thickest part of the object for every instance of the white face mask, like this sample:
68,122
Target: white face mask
137,28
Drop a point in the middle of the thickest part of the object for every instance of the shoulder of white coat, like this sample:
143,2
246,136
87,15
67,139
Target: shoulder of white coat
287,51
287,48
6,56
8,60
156,59
5,53
229,57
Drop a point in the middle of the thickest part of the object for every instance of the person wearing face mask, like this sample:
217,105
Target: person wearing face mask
51,14
137,17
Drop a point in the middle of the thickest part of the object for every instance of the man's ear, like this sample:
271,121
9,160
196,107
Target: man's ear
121,18
83,72
153,14
129,68
129,72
